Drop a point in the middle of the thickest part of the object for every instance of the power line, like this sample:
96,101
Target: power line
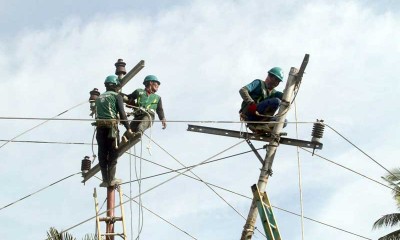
46,142
150,189
133,120
189,169
244,196
29,195
349,169
43,123
165,220
359,149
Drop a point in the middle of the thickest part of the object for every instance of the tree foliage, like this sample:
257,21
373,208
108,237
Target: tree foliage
392,219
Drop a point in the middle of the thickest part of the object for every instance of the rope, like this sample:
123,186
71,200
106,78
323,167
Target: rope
300,182
29,195
42,123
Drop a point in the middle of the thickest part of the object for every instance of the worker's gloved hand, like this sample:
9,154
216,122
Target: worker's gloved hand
252,108
164,123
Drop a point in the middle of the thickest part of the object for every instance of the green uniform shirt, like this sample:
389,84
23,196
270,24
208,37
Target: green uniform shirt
106,105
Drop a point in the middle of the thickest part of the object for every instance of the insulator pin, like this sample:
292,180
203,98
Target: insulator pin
92,99
120,67
86,164
318,131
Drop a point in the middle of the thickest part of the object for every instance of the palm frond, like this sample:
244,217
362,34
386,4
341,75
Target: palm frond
391,236
387,220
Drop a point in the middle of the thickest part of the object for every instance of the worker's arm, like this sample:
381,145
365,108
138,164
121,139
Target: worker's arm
244,93
160,113
249,88
121,111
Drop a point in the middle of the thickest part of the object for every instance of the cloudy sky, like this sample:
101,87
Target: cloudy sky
52,53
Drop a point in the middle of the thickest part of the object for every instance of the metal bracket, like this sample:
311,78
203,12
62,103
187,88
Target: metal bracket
255,151
251,136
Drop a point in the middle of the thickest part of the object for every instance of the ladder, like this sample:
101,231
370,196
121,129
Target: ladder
266,214
109,235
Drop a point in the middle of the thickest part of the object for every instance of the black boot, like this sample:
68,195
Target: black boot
104,175
111,175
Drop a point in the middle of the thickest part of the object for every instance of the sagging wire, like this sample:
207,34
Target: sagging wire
139,177
93,154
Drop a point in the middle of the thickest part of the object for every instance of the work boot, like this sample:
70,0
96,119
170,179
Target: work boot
104,175
111,174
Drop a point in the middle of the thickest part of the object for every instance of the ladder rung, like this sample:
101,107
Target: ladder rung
112,234
107,219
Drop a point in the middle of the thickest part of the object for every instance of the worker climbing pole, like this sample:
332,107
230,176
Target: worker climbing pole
108,109
260,101
293,82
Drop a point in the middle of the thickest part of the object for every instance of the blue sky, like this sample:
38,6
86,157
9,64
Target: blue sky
203,52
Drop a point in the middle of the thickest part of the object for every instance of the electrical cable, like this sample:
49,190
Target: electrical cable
152,188
42,123
223,199
359,149
349,169
133,120
138,177
184,168
47,142
29,195
155,214
281,209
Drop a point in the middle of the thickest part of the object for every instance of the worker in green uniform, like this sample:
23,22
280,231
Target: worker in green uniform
261,100
109,107
146,104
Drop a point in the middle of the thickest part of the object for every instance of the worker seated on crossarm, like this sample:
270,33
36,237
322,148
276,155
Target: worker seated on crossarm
261,100
146,104
108,106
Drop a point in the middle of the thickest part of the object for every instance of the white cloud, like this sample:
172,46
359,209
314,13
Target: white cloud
203,52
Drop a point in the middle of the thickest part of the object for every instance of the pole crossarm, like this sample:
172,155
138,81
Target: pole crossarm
132,73
251,136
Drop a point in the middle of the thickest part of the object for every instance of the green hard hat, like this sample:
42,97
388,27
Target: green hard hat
149,78
112,79
277,72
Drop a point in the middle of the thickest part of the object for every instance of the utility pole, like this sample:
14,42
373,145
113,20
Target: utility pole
274,138
294,79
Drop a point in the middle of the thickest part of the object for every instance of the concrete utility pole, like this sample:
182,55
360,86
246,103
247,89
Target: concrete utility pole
294,78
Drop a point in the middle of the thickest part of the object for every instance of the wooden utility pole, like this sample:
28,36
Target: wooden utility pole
294,79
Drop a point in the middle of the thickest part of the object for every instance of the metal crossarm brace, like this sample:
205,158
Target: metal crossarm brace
255,151
251,136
